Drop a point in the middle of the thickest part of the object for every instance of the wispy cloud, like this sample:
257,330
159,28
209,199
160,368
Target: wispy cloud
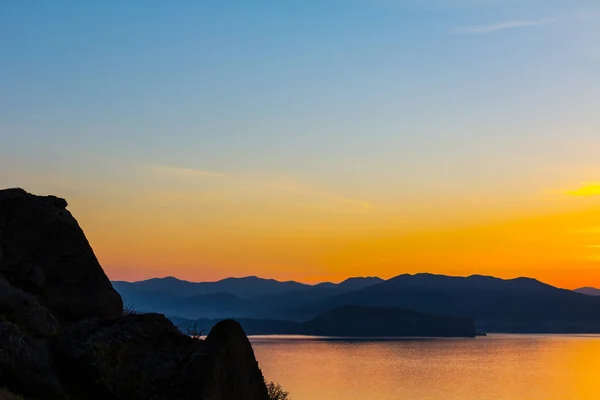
502,26
587,189
354,202
290,185
265,185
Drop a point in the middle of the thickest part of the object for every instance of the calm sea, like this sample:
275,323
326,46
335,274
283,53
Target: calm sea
496,367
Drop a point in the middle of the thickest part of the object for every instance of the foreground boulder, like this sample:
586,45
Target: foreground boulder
63,334
26,364
145,357
24,309
44,251
229,368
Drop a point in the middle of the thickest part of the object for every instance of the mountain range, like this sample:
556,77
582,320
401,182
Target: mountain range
590,291
496,305
231,297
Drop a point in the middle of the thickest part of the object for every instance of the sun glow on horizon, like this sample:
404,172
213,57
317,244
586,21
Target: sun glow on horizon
197,241
586,190
364,138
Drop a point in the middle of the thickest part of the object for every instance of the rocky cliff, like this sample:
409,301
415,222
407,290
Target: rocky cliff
63,334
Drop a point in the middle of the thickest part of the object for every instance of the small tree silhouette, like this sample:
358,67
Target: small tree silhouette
7,395
128,309
276,392
194,332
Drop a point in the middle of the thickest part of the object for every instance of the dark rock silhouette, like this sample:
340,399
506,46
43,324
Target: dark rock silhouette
24,309
63,333
46,253
134,357
26,365
228,367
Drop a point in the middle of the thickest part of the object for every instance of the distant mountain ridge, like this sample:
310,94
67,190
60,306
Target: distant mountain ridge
522,305
246,287
513,305
231,297
590,291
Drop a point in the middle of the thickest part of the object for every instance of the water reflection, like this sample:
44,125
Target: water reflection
497,367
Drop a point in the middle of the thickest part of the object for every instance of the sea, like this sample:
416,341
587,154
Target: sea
494,367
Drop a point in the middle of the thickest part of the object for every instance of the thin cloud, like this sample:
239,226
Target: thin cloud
502,26
354,202
259,183
585,190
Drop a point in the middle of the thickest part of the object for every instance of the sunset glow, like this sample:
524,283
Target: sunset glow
363,138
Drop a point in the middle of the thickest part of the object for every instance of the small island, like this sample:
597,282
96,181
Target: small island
353,322
358,321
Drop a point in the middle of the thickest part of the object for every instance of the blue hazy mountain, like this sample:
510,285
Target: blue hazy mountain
232,297
514,305
590,291
247,287
213,305
278,306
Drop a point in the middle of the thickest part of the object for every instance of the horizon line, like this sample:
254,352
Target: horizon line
350,277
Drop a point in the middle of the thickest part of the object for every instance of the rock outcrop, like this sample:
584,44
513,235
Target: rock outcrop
228,364
63,334
45,252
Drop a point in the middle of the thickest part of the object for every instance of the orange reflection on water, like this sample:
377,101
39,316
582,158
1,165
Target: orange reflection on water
498,367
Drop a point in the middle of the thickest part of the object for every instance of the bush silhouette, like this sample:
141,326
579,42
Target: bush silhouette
276,392
7,395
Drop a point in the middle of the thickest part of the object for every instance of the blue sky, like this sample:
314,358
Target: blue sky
379,102
293,84
342,91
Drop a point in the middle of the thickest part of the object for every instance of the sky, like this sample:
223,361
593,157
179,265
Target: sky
312,140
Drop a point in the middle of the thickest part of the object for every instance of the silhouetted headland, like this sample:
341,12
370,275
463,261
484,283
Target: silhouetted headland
64,335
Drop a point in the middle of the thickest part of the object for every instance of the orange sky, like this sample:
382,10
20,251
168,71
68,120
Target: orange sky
313,140
200,232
